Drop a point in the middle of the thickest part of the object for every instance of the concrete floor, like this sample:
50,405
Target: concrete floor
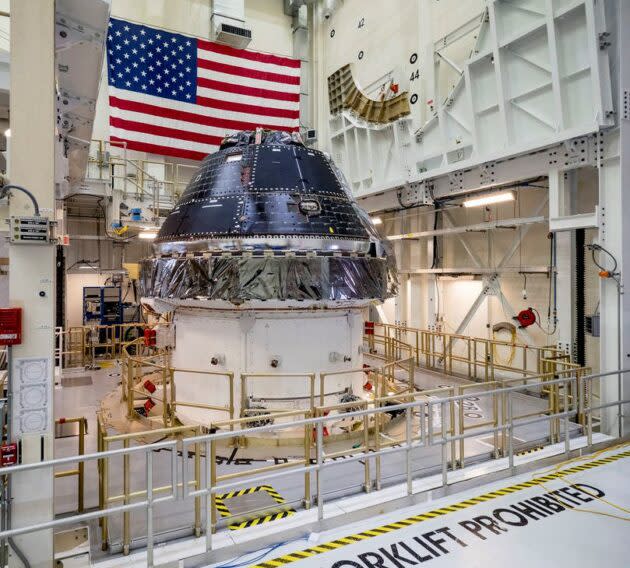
176,519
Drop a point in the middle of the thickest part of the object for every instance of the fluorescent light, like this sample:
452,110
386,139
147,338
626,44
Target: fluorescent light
490,199
7,133
147,235
377,220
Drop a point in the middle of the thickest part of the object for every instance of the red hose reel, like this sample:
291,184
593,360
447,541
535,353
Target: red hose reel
525,318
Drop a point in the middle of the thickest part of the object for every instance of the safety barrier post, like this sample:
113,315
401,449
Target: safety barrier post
126,500
443,447
213,482
495,419
589,429
81,466
105,498
567,446
173,397
461,429
207,506
165,375
319,453
149,479
409,436
307,463
130,385
197,528
367,482
452,429
417,350
510,425
468,358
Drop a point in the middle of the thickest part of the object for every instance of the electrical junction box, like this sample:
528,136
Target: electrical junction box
29,230
591,325
10,326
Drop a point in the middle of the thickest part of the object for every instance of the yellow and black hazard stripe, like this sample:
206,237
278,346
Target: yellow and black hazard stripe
261,520
378,531
529,451
274,516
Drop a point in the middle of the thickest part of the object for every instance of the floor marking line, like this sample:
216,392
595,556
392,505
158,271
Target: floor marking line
378,531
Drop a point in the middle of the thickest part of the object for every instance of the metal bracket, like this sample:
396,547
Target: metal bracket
67,101
68,121
415,194
69,32
73,143
576,152
604,40
486,173
456,181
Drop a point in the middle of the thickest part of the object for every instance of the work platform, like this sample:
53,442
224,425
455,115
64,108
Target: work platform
80,392
572,514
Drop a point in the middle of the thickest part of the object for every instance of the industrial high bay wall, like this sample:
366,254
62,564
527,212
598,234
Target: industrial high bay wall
544,93
537,83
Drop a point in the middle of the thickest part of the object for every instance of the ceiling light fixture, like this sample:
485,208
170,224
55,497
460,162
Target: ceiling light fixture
489,199
377,220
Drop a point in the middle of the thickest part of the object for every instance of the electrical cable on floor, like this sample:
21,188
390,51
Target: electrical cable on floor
267,550
589,457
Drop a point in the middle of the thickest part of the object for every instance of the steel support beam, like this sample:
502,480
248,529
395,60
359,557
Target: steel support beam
32,272
502,224
614,233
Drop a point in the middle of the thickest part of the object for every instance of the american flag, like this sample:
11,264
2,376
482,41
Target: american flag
177,95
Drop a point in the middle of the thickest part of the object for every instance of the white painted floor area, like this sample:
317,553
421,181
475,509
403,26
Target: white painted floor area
587,532
477,549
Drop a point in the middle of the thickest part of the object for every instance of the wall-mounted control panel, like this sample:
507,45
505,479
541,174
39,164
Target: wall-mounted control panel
30,230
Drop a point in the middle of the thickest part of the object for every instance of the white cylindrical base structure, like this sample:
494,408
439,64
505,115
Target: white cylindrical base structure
287,343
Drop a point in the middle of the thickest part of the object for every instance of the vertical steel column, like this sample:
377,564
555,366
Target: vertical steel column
32,274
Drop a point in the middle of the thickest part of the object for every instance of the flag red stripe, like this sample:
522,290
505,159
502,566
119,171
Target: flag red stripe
250,91
166,112
245,54
162,150
245,72
165,131
249,109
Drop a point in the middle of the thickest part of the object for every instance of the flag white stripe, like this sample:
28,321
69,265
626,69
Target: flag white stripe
247,63
173,123
247,99
132,135
197,109
248,81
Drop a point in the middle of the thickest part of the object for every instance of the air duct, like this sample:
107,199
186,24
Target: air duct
227,23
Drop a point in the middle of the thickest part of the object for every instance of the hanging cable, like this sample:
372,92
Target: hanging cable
4,192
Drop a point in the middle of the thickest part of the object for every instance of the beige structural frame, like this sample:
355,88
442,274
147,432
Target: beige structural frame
33,112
